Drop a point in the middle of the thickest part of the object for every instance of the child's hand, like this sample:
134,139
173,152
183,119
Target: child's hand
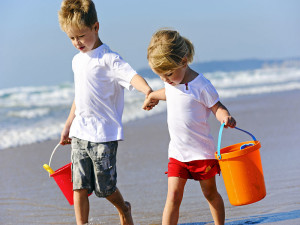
229,122
64,138
149,103
148,93
153,98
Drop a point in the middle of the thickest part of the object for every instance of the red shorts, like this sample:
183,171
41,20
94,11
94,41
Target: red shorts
197,170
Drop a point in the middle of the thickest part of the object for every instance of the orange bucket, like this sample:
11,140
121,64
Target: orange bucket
63,178
242,170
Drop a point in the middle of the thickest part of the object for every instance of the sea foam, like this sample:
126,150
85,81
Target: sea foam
35,114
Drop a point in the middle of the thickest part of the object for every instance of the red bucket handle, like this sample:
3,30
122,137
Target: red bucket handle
220,137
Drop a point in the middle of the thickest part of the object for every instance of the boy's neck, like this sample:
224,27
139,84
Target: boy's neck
98,43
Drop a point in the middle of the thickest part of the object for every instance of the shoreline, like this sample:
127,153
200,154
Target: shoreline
29,196
228,101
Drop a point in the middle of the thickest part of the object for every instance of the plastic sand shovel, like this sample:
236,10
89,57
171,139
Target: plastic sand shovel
242,170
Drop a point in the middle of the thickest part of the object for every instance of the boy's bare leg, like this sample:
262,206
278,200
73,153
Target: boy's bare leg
124,208
81,206
174,198
214,200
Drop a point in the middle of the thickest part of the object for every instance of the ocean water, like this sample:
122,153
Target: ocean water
35,114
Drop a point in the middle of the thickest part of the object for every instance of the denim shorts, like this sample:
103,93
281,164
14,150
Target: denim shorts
94,166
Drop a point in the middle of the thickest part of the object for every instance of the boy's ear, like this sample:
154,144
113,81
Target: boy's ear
96,26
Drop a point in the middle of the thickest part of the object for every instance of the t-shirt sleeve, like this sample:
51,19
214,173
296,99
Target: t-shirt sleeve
123,72
209,95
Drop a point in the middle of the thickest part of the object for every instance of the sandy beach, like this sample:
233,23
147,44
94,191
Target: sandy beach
29,196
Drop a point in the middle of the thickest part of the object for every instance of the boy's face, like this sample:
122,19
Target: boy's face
84,39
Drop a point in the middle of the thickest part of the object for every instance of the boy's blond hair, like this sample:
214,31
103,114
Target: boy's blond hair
78,13
167,49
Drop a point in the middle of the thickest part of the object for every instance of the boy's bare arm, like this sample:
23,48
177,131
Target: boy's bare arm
64,138
140,84
223,115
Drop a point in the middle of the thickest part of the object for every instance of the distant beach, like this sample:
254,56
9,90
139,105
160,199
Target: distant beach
29,196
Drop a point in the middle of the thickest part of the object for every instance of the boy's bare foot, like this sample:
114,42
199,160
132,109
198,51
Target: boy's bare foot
123,207
126,218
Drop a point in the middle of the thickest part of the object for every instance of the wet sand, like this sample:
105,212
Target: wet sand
29,196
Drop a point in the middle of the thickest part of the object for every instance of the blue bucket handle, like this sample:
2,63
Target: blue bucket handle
220,137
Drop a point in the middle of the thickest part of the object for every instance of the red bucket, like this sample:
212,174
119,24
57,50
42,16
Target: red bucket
63,178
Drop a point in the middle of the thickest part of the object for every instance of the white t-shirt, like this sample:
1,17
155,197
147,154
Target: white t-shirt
100,77
188,112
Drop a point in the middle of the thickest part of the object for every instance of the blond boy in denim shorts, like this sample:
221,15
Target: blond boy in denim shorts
95,121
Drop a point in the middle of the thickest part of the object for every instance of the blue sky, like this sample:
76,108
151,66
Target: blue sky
36,52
